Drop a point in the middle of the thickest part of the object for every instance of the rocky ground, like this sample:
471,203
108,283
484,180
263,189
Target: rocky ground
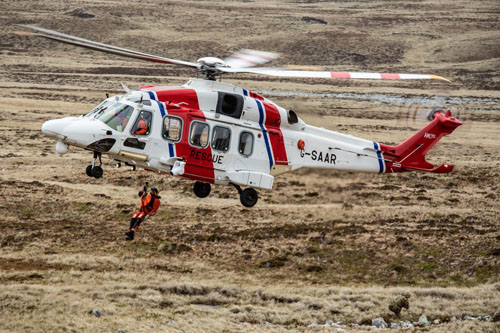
323,250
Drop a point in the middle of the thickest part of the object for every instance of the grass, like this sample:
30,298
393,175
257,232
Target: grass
321,246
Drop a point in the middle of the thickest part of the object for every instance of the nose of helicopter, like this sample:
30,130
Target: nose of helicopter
54,128
75,131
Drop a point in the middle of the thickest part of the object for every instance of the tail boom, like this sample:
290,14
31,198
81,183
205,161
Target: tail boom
410,154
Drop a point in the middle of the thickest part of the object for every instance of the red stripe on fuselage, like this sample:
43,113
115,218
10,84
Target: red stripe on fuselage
256,96
273,122
199,164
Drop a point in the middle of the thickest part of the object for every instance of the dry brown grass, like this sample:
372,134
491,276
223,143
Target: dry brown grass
321,246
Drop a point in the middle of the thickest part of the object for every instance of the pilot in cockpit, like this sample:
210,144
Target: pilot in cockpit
143,125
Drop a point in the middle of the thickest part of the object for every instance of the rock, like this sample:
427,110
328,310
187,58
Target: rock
395,325
96,313
329,323
406,324
312,325
339,330
379,323
170,322
484,318
266,323
436,322
423,320
399,303
469,318
496,317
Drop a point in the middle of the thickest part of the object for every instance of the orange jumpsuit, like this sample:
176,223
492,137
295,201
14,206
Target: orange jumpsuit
142,128
149,205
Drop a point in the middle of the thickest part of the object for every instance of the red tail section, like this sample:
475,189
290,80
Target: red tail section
410,154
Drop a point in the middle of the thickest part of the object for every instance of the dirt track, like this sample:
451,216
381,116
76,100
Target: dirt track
320,246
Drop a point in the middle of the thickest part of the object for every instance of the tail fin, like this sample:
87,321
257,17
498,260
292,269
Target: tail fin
410,154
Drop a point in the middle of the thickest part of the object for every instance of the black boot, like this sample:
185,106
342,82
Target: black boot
130,235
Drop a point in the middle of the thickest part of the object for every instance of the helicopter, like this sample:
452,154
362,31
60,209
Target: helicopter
213,132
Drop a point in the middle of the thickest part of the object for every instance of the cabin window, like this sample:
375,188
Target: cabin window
220,138
229,104
199,134
142,124
292,117
172,128
246,143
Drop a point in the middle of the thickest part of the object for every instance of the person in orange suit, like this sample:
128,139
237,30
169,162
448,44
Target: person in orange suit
150,202
142,128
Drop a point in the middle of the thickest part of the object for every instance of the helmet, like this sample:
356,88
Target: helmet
155,191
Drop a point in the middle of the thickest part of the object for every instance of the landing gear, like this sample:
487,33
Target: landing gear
97,172
248,196
94,170
201,190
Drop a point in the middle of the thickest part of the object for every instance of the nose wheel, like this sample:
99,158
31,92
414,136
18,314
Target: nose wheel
94,170
248,196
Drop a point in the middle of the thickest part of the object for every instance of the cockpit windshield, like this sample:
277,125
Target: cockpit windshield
116,115
98,108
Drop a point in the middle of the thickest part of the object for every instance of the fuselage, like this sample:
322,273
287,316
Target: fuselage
212,132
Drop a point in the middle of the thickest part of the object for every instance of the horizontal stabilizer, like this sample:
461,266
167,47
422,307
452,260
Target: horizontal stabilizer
443,168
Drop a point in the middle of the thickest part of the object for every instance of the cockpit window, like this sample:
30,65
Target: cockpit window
98,108
116,115
142,124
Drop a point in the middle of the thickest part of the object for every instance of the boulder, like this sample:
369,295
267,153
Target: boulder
406,324
379,323
395,325
423,320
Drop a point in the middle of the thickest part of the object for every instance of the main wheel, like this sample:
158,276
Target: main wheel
249,197
97,172
201,190
88,171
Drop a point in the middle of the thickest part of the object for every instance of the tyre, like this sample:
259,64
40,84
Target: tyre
97,172
88,171
201,190
249,197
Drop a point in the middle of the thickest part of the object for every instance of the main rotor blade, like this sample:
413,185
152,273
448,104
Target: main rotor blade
331,75
249,58
73,40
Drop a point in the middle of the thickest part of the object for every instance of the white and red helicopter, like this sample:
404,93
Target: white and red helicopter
217,133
